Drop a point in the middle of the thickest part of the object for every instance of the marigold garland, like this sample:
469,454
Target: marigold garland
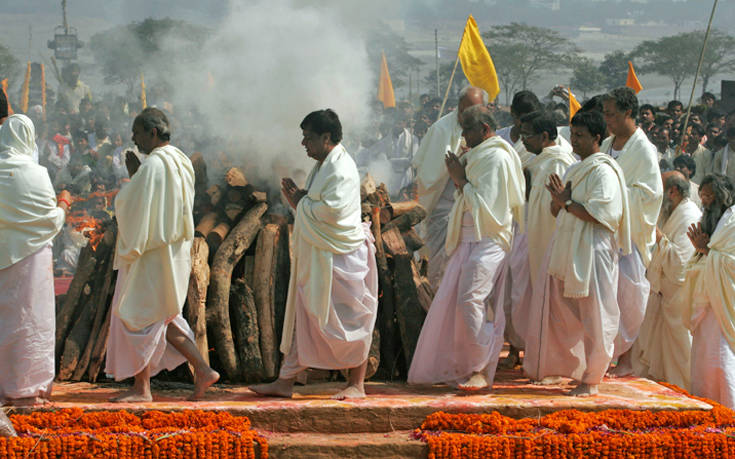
572,433
72,433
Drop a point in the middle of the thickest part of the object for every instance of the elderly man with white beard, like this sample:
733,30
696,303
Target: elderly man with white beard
638,159
462,336
435,189
662,349
708,294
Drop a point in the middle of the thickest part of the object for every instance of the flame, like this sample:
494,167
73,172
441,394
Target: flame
89,226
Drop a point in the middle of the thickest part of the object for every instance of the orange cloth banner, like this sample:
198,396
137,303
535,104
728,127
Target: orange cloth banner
385,86
632,80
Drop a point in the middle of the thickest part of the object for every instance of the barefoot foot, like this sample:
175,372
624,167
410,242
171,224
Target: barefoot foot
350,392
584,390
202,380
132,396
26,401
278,388
477,381
548,381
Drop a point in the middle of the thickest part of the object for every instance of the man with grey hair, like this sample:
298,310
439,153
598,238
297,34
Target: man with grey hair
664,344
462,336
153,260
435,189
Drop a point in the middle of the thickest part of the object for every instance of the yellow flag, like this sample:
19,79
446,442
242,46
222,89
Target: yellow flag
476,62
143,101
4,86
26,90
632,80
574,106
385,86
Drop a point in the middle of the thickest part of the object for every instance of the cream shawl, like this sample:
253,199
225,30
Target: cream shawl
598,184
639,161
154,211
667,269
494,195
29,216
431,172
540,222
328,221
710,281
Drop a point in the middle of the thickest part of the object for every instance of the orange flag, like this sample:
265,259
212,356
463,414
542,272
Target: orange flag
143,101
26,90
632,80
385,87
574,106
4,85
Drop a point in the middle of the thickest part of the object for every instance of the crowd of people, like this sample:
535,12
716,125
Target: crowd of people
596,246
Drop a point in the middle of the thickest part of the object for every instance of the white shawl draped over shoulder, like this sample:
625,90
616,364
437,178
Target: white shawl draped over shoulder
431,171
598,184
29,216
639,161
710,281
540,222
328,221
494,194
153,212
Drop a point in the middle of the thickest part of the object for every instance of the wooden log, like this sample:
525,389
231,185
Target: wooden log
216,236
367,186
235,177
218,314
408,220
386,321
373,355
412,239
215,194
196,298
206,224
245,331
409,312
423,286
73,300
264,276
283,275
100,347
101,305
399,208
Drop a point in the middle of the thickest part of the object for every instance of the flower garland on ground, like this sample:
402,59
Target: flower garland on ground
72,433
573,433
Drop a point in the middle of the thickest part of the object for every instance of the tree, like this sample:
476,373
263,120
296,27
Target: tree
674,56
586,77
520,52
8,64
400,62
614,69
124,52
719,56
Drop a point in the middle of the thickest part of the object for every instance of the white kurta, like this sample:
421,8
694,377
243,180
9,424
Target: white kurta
639,161
153,259
574,317
332,293
708,297
663,347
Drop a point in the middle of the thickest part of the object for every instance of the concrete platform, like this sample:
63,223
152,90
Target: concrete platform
388,407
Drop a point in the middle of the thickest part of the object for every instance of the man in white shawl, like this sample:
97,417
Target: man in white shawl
638,159
578,312
462,336
708,294
435,189
153,259
30,218
539,135
333,290
662,349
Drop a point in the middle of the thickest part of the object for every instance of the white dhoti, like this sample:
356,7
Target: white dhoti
518,284
462,334
353,306
130,352
713,362
435,235
633,289
27,326
575,336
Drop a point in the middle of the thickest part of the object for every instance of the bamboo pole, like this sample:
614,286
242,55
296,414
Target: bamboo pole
449,85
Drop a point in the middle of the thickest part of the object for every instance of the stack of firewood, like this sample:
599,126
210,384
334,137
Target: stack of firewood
236,300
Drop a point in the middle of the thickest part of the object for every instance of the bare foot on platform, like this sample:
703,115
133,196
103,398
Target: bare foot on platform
350,392
25,401
477,381
584,390
132,396
278,388
548,381
202,380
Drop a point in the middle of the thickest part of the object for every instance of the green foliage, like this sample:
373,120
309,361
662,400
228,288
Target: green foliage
614,70
124,52
520,52
400,62
586,76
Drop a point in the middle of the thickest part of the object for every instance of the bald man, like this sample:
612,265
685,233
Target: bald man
435,189
664,344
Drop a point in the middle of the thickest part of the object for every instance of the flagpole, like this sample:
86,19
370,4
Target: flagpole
446,93
696,75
